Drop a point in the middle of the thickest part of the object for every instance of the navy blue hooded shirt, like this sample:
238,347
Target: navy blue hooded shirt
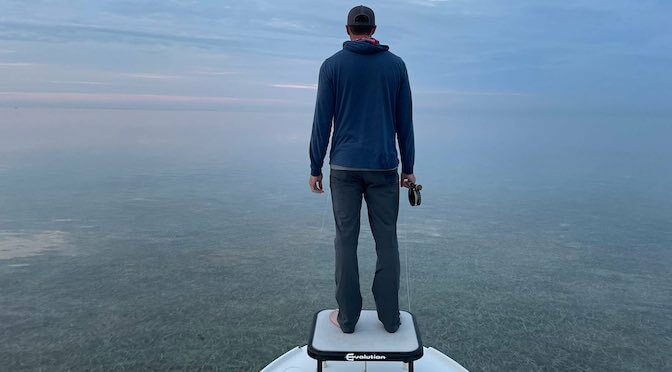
364,89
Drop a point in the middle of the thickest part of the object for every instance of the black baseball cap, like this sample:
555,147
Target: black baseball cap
361,16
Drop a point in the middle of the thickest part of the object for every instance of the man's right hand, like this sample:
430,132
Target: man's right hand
315,184
406,180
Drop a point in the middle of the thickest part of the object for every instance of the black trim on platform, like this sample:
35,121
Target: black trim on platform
390,356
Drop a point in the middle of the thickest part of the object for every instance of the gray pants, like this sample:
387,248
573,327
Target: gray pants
381,192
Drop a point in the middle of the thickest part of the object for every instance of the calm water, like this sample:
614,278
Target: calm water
169,240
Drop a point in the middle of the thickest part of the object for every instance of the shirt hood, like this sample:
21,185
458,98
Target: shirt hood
365,46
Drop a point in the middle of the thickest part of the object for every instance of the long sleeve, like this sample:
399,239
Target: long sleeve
324,112
404,123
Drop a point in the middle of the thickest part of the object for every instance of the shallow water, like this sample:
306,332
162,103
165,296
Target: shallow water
176,240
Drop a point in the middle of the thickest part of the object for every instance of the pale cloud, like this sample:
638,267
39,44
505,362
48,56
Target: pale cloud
433,3
135,31
295,86
151,76
213,72
17,64
68,82
284,24
471,93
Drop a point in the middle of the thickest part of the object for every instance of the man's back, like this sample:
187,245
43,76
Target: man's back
365,89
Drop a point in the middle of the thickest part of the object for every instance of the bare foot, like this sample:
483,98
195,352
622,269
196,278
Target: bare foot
334,318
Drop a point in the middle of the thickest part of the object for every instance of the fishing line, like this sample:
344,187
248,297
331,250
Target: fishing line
324,212
406,249
414,198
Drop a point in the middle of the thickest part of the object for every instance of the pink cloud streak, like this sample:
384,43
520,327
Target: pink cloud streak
66,97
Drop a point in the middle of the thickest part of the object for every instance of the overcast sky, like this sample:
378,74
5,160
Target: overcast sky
598,55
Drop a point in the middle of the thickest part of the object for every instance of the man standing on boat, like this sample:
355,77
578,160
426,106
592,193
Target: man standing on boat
364,89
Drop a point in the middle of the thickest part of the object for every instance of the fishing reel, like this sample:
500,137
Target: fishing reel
414,196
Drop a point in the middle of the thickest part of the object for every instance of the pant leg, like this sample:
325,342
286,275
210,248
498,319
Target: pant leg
382,201
346,195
